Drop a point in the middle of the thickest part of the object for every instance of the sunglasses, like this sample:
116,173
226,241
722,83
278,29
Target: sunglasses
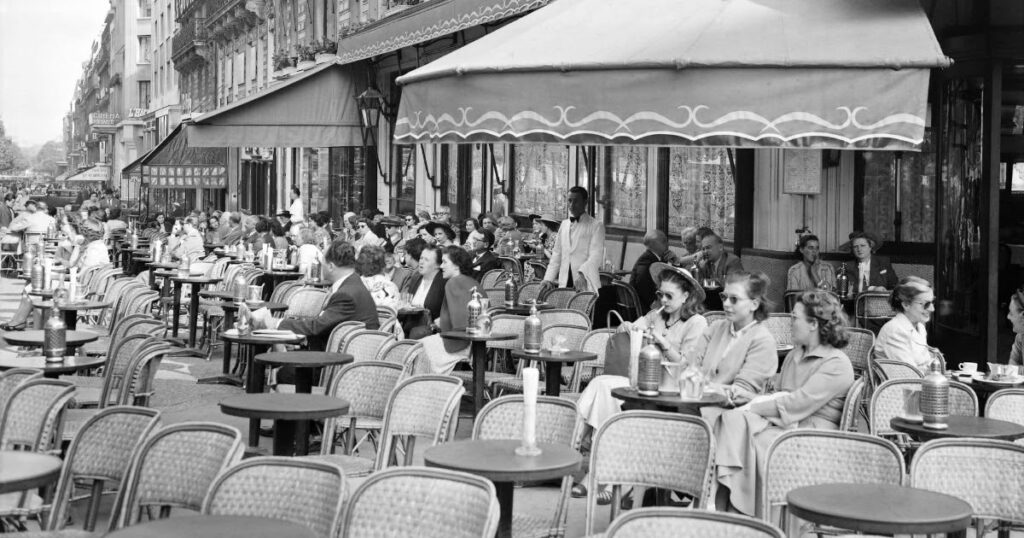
730,299
925,304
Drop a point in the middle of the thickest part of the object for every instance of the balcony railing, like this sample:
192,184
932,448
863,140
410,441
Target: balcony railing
188,46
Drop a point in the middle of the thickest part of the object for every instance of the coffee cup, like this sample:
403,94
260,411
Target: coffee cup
968,367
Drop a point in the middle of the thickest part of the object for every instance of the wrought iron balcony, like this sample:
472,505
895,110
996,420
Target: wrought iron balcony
189,45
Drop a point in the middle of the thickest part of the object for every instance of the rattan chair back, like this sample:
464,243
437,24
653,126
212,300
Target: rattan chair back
305,303
987,474
300,490
510,324
573,335
1006,404
283,290
422,502
559,297
336,340
627,302
138,386
596,342
652,449
117,367
419,406
385,314
888,369
872,308
511,265
492,278
584,301
530,291
536,270
32,416
858,349
564,316
399,352
10,379
367,387
888,402
99,457
364,344
663,522
175,468
781,327
852,406
714,315
809,457
558,422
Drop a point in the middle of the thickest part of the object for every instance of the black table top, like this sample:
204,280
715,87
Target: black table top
273,307
74,306
880,508
258,339
216,527
522,309
41,293
217,294
282,273
462,335
162,265
987,428
69,365
20,470
196,279
545,355
36,338
497,461
630,394
281,406
304,359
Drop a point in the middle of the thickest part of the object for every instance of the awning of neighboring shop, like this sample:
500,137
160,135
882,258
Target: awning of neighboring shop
781,73
427,21
134,169
98,173
173,164
312,109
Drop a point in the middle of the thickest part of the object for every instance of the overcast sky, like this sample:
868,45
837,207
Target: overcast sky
42,46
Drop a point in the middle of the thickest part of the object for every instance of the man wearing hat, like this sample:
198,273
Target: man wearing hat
873,273
393,238
284,218
479,244
576,258
657,251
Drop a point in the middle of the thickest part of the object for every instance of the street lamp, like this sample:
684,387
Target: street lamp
372,106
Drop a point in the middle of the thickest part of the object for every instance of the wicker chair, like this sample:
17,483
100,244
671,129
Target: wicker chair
1006,404
852,406
99,457
31,419
283,291
366,386
10,379
364,344
500,323
123,350
574,337
872,309
402,352
530,291
564,316
423,405
559,297
627,302
682,523
781,327
422,502
537,269
678,453
861,341
714,315
887,402
385,314
887,370
808,457
988,475
299,490
175,467
584,301
340,333
595,341
558,422
492,278
306,303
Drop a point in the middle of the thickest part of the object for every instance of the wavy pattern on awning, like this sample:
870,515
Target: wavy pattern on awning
777,73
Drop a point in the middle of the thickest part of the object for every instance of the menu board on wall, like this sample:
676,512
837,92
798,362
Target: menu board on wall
801,171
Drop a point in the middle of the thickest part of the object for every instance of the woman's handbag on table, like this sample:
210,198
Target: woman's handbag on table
622,353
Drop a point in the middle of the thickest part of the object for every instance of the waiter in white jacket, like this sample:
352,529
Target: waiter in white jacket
576,259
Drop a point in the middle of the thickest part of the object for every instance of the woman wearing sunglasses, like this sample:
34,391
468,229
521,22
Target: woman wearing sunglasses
809,393
904,337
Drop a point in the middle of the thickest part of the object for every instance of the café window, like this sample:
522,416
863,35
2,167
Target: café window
540,177
347,182
876,171
403,182
701,190
627,186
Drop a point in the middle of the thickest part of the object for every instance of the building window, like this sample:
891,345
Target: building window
627,186
877,170
144,94
347,169
145,53
540,177
403,182
701,190
145,8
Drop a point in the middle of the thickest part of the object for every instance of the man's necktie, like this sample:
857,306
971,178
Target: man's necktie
572,219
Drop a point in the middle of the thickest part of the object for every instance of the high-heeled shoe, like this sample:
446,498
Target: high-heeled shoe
13,327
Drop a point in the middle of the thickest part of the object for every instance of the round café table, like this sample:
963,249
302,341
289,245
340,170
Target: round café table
286,410
250,345
985,428
305,364
880,509
71,310
271,278
478,351
36,338
230,307
197,282
53,370
553,365
521,309
45,294
497,461
20,471
153,266
670,402
216,527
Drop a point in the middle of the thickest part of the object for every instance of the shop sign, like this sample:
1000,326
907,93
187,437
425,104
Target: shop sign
104,119
137,112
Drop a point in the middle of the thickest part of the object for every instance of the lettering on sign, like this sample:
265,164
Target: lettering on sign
104,118
137,112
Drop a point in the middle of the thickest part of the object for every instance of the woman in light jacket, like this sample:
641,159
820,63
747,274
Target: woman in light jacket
904,337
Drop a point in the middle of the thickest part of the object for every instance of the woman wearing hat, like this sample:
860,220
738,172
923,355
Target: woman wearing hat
443,234
872,273
545,231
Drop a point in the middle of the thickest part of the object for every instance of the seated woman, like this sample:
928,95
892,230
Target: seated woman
188,243
213,232
278,235
370,266
811,273
443,234
1016,319
443,354
425,288
308,251
872,273
904,337
811,390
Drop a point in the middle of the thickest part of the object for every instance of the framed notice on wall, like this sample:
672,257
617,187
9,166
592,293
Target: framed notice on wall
801,171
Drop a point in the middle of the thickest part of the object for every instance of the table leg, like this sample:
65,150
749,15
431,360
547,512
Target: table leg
71,319
255,373
505,492
152,279
229,323
553,383
193,315
479,350
284,438
177,307
303,380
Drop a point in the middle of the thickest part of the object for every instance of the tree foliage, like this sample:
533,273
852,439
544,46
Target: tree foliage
11,159
45,161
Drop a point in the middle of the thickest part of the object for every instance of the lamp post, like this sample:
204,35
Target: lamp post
372,106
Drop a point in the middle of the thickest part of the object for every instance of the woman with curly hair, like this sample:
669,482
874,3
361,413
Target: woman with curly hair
809,393
370,265
457,270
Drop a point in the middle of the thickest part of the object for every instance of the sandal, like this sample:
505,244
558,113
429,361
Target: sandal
604,496
579,491
13,327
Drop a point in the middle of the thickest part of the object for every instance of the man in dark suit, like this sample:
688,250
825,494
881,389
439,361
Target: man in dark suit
7,211
717,262
479,244
657,251
872,273
349,301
